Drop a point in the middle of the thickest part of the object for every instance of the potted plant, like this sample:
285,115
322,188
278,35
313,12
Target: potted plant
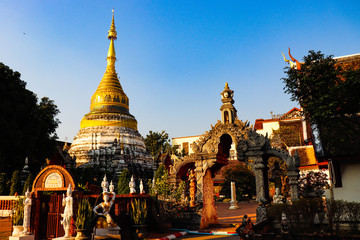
139,212
18,216
84,220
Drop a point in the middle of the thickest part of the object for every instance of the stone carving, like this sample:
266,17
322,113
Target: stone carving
68,211
276,174
261,214
284,224
107,204
104,184
27,214
277,198
141,187
132,185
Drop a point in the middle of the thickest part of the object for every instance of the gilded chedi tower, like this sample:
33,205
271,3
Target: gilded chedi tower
108,136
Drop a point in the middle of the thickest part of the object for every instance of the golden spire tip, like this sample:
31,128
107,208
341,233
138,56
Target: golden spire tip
112,32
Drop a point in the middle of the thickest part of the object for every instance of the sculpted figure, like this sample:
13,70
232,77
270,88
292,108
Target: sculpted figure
277,198
27,211
284,225
68,211
106,205
141,187
261,214
132,185
276,174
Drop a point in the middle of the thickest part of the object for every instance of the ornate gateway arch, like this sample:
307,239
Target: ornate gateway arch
212,149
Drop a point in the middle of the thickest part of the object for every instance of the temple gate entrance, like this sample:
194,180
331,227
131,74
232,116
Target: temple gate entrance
48,189
54,228
212,150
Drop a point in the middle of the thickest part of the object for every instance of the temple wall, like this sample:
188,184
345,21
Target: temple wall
350,190
105,135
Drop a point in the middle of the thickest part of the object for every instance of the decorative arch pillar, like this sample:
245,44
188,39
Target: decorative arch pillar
261,178
201,166
294,183
293,174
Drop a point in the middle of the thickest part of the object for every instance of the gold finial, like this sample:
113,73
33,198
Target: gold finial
112,33
226,85
111,53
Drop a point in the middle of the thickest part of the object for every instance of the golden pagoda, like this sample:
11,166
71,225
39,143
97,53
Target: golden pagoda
109,132
109,98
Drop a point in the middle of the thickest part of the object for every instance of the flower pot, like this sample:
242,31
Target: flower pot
83,234
139,231
17,230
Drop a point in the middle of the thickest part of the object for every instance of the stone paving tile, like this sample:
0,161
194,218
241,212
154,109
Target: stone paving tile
226,218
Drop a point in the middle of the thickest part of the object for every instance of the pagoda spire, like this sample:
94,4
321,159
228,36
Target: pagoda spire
111,57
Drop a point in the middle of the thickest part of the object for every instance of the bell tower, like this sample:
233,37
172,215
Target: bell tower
228,111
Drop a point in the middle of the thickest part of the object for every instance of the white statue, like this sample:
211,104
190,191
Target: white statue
141,187
68,211
132,185
105,184
107,204
111,187
27,211
277,198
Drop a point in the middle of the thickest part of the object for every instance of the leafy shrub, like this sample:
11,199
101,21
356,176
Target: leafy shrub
3,187
85,215
353,214
123,184
18,212
313,183
244,180
15,183
28,183
304,210
301,210
139,211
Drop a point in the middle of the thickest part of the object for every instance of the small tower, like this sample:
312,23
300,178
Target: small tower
228,111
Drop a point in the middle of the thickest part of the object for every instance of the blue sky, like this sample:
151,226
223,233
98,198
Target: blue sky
173,57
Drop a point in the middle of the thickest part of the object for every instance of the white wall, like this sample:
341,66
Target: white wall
350,176
191,139
268,128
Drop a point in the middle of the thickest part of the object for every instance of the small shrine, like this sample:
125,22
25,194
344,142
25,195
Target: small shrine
212,151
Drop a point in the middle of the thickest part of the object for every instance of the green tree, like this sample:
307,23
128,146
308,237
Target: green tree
15,183
3,187
27,126
160,171
330,98
123,184
157,143
28,183
244,180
